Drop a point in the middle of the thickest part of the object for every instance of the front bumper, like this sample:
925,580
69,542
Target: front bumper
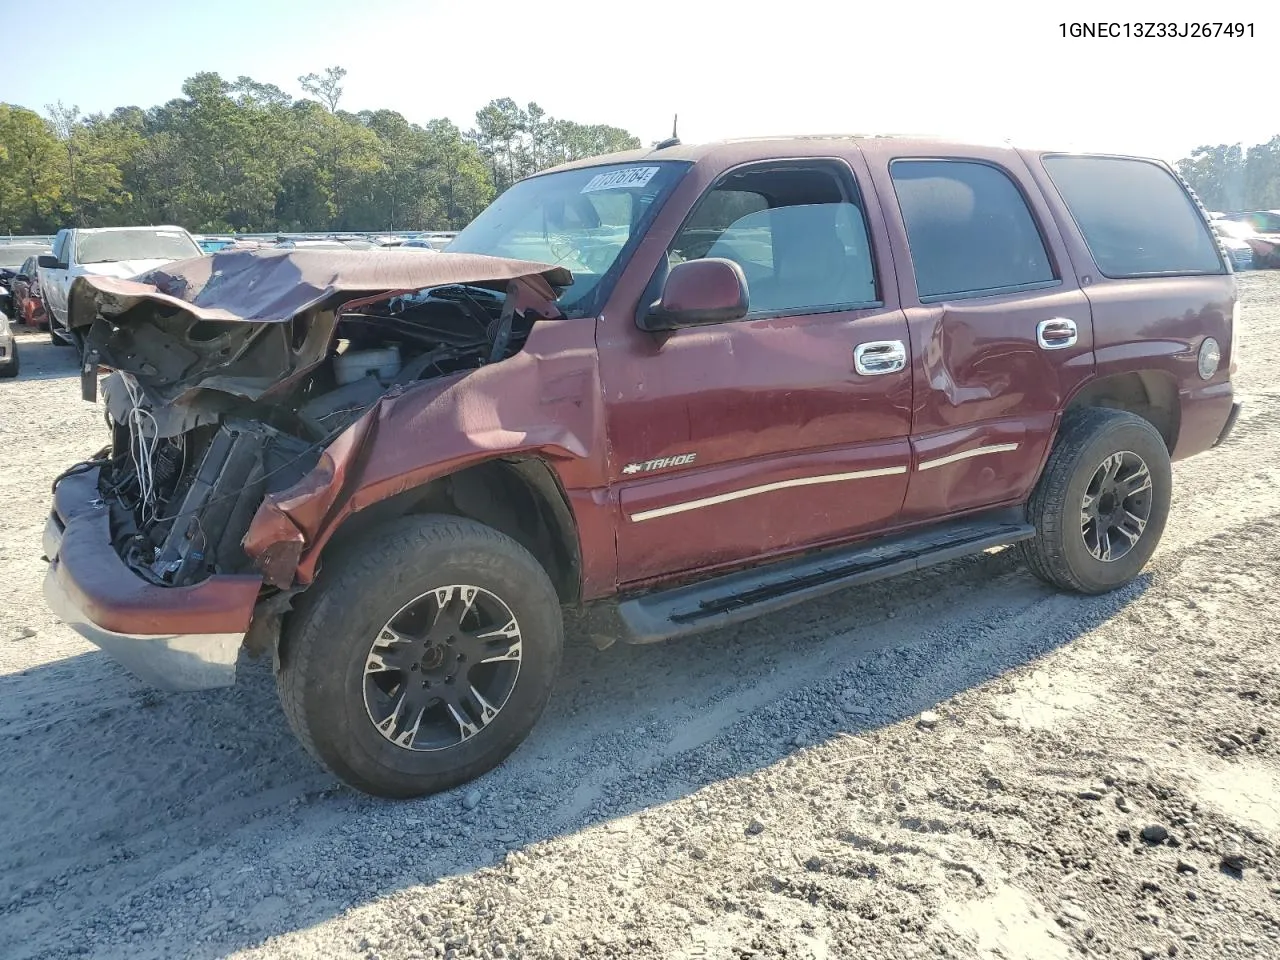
176,638
8,350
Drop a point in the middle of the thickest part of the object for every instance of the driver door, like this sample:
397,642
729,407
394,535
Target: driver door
771,434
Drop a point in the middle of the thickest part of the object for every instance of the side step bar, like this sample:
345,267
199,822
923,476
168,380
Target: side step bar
728,599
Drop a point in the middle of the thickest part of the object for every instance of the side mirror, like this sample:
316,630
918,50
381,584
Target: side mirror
699,292
48,261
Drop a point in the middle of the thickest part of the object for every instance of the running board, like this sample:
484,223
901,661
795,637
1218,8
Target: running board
734,597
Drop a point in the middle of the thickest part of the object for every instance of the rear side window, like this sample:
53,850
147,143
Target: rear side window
1137,220
969,228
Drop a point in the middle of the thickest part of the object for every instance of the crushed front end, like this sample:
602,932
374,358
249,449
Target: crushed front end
229,378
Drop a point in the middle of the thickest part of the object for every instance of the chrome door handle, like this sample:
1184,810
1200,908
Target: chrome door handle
879,356
1057,333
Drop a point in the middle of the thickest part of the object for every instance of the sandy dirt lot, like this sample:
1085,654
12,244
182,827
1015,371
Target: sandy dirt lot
960,764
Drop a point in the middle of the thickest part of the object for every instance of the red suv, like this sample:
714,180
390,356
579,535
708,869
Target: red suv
671,388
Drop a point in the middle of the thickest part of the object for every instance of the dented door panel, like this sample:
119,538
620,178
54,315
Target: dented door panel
987,397
987,394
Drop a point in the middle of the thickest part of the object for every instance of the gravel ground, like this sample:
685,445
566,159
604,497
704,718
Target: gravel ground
958,764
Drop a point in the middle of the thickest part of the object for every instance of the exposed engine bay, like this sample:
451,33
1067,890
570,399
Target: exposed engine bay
208,417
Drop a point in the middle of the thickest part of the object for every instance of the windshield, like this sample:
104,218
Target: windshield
12,256
112,246
580,219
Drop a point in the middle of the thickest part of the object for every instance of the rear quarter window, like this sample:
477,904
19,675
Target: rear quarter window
1136,218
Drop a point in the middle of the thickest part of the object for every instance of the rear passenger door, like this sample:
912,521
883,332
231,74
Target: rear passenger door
1000,330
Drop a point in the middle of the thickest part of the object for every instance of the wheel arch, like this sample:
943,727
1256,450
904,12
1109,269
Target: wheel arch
519,496
1150,394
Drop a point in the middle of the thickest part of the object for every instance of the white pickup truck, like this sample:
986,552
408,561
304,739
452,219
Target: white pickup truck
105,251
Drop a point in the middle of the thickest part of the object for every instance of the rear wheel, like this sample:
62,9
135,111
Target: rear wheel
1101,505
422,657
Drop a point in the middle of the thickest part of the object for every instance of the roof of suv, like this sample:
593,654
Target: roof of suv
746,149
752,147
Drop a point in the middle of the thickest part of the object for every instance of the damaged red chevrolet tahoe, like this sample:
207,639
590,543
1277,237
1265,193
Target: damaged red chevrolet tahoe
661,392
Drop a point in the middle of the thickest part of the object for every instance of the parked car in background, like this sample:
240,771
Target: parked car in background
8,348
1233,237
1265,237
1262,221
1266,250
105,252
325,243
28,306
12,256
737,377
214,244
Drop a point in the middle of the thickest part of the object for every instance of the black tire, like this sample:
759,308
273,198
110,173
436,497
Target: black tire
57,339
1065,550
327,642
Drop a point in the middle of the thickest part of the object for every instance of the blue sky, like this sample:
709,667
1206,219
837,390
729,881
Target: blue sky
990,70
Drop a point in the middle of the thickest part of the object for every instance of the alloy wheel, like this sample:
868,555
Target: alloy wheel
442,669
1116,506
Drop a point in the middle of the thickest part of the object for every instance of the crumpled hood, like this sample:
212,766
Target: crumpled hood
249,322
272,286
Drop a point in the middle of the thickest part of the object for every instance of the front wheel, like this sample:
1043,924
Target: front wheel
422,657
1102,502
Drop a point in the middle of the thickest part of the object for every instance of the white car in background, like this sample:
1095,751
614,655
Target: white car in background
8,348
1233,237
105,251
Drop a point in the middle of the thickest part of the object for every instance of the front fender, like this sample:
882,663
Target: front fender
545,401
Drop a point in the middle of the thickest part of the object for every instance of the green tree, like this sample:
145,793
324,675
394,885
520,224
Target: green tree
1262,175
244,155
1230,178
326,88
518,142
30,161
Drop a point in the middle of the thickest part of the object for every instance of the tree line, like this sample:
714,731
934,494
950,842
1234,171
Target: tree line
1231,178
248,157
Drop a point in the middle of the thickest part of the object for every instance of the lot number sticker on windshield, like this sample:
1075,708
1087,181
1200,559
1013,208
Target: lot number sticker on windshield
618,179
